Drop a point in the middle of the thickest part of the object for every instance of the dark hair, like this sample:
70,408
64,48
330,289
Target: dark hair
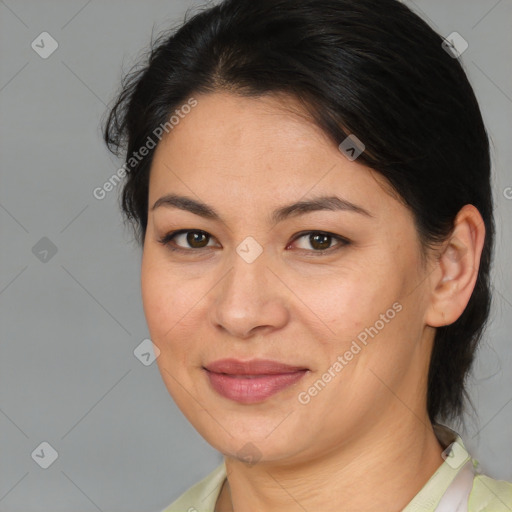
371,68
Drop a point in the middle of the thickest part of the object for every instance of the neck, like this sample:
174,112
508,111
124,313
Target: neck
377,473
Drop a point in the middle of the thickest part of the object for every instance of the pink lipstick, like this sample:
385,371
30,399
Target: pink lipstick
253,381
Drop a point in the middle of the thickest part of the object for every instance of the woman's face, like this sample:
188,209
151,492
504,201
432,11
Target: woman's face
247,284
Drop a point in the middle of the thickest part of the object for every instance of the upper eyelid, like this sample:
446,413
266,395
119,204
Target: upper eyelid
173,234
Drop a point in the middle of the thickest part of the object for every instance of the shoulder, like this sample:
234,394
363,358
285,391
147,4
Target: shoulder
202,496
489,495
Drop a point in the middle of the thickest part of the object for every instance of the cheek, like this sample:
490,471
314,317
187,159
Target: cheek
165,308
155,297
166,300
174,308
367,314
348,299
158,287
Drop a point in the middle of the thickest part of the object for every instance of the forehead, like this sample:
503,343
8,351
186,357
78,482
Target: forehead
226,124
256,150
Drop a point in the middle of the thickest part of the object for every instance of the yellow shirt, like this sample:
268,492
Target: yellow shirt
486,495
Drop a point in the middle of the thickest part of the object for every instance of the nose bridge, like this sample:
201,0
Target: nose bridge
249,269
246,298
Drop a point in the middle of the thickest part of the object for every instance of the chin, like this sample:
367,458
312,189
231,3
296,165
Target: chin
250,440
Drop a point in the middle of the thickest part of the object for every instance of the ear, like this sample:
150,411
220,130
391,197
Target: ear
454,276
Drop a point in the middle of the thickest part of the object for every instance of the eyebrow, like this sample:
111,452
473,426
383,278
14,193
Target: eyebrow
331,203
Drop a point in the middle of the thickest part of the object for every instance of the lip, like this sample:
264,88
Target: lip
252,367
252,381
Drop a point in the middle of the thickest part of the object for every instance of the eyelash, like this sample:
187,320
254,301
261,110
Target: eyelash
167,239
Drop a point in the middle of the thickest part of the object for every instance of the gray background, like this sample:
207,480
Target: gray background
71,321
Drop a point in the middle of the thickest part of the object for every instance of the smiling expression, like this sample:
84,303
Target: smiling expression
265,243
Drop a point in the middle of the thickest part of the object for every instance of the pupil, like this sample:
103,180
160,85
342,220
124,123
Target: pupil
314,239
192,238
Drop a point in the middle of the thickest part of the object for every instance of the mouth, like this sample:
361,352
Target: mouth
250,382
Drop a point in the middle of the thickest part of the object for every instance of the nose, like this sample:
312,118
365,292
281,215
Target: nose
250,300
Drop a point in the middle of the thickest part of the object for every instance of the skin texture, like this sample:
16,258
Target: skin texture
364,442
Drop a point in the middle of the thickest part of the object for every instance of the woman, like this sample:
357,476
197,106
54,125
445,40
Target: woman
309,181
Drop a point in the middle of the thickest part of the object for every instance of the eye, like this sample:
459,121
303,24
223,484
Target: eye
321,241
196,239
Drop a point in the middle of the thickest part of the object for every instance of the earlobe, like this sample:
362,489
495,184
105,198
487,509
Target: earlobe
457,269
